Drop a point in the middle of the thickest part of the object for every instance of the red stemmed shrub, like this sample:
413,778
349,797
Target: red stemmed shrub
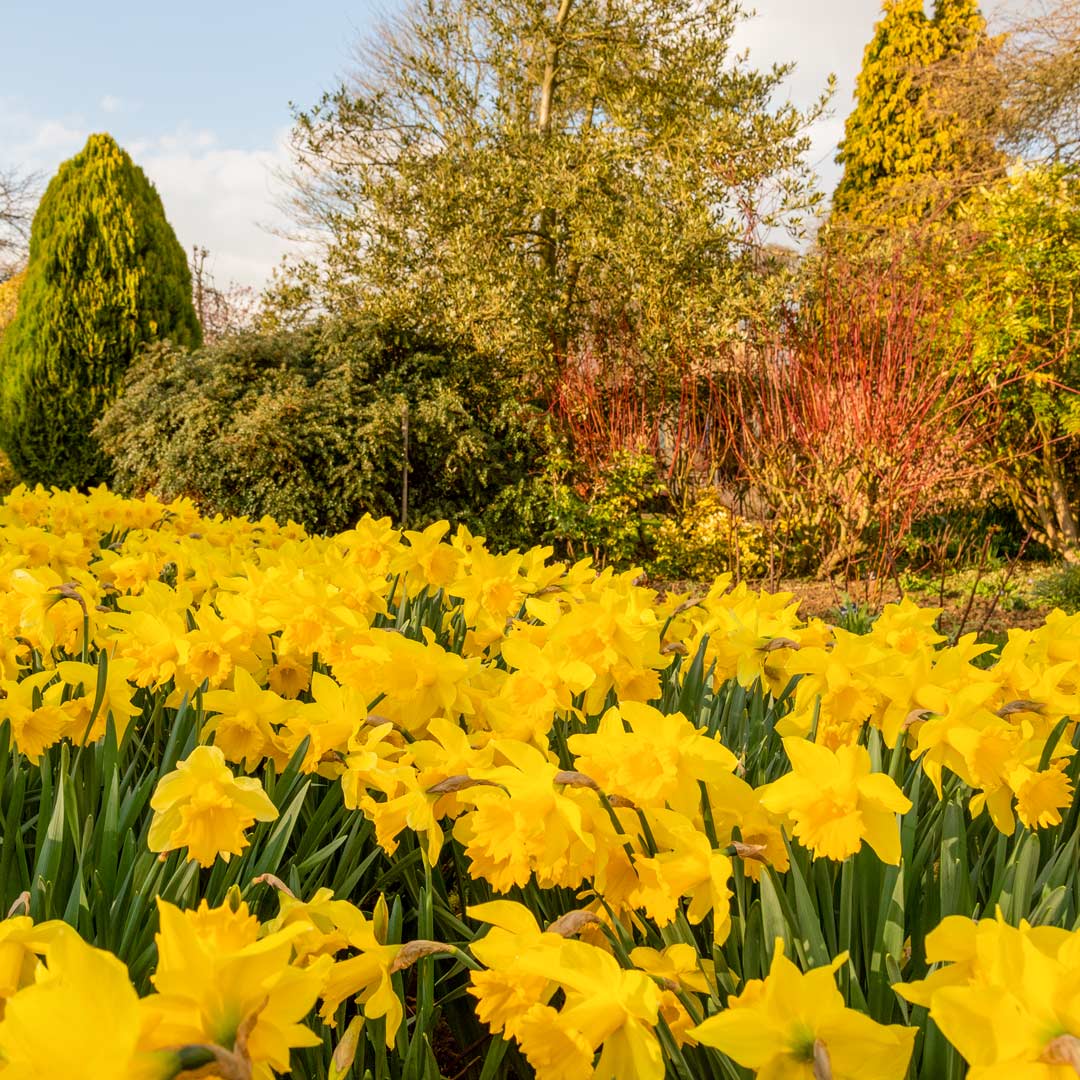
864,419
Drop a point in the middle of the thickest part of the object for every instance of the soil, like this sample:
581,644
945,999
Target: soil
961,612
988,603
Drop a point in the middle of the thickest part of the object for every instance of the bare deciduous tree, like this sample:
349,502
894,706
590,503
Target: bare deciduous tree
1022,86
1041,74
221,311
18,196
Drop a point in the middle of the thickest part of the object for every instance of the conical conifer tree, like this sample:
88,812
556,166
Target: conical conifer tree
901,145
106,274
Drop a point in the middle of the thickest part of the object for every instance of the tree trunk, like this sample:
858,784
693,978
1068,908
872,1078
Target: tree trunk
573,269
1067,538
544,123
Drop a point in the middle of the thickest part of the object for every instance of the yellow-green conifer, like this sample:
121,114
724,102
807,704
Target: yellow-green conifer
106,274
904,149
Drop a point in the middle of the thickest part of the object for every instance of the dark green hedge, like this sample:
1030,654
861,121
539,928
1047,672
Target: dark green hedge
307,425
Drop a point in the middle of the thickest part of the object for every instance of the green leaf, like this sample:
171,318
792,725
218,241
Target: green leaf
50,850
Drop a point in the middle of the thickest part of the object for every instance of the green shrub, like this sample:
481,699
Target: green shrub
710,539
308,425
1061,588
610,516
106,274
956,536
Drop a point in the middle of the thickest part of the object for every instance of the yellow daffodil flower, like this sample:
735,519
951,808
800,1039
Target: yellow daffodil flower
203,807
80,1017
215,976
835,801
790,1026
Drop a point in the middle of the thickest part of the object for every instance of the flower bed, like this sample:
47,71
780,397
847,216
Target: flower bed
390,804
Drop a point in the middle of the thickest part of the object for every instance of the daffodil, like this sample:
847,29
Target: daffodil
606,1008
22,941
687,865
203,807
365,976
835,801
427,562
214,649
1018,1012
795,1026
216,977
531,817
327,923
659,762
907,628
839,684
553,1047
491,588
421,680
750,635
735,805
677,964
80,1017
116,700
35,725
504,992
542,682
152,630
245,728
967,950
421,788
327,722
1041,795
48,611
289,676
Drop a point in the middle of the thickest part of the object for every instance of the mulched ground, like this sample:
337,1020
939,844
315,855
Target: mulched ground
988,604
961,612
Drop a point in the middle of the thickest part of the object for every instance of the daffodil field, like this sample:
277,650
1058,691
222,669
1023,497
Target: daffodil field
388,805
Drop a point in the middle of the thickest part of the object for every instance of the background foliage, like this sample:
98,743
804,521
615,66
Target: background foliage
540,235
1020,296
521,175
310,426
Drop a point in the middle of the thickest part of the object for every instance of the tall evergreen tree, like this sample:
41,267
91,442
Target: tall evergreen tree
106,274
903,148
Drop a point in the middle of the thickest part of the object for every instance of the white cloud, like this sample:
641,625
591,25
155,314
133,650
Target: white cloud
111,104
823,38
54,138
222,199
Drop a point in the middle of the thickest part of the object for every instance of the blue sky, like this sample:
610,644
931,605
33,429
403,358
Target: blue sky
147,67
199,93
